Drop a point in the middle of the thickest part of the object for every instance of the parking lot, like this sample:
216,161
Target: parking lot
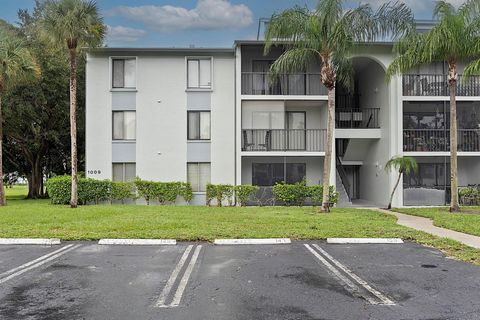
303,280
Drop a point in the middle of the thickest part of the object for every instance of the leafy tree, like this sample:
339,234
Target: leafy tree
76,24
402,165
17,65
454,38
328,35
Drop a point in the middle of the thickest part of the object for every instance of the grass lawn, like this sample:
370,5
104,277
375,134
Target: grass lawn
39,218
467,221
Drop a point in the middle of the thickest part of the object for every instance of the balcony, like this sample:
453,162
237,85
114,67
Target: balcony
306,140
437,85
438,140
303,84
348,118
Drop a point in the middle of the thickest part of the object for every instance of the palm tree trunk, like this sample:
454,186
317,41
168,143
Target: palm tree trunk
73,124
452,84
2,190
327,164
393,191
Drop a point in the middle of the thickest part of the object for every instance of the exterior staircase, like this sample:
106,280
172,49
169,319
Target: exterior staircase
343,198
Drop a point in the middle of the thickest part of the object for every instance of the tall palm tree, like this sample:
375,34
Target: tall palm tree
17,65
76,24
452,40
402,165
329,35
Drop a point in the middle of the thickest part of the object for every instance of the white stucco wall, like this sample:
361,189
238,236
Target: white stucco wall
98,119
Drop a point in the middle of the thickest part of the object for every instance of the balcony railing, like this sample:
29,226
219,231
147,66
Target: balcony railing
262,83
357,118
468,140
310,140
437,85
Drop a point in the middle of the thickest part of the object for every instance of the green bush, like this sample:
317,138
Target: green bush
469,195
315,193
146,189
59,189
244,192
186,191
291,194
122,191
219,192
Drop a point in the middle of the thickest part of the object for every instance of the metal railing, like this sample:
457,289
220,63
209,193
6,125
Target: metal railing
312,140
437,85
468,140
357,118
262,83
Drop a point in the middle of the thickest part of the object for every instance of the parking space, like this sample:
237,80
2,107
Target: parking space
302,280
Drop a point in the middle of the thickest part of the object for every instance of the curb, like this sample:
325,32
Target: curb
364,240
137,242
32,241
252,241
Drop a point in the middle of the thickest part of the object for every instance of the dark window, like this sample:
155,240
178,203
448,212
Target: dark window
198,125
268,174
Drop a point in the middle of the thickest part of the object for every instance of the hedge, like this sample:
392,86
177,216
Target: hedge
95,191
296,194
222,192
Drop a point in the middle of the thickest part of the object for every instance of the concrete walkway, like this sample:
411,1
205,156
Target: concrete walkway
426,225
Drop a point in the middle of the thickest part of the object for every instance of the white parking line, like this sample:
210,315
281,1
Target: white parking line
365,240
15,272
168,287
252,241
384,299
36,241
138,242
350,286
183,282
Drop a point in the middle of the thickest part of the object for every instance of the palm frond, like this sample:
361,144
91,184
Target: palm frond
294,60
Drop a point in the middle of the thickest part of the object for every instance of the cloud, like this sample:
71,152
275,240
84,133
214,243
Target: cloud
207,15
124,34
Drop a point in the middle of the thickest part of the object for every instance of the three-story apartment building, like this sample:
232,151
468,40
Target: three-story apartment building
216,115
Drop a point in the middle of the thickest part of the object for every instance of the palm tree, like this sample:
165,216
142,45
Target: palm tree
402,165
17,65
329,35
76,24
452,39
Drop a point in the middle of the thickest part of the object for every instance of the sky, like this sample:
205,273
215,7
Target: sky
201,23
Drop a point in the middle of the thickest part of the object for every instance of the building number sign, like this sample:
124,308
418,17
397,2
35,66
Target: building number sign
94,171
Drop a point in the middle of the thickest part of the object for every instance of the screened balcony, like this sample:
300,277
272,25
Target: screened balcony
438,140
437,85
262,83
347,118
309,140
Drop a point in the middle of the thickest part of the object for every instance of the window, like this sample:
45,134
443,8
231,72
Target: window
124,125
123,73
198,174
123,172
199,73
268,174
198,125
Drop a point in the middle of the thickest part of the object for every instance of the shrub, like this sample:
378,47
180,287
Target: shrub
145,189
91,190
469,195
122,191
315,193
244,192
219,192
291,194
167,191
59,189
185,191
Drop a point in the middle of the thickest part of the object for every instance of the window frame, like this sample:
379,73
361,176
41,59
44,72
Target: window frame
199,128
199,88
124,170
198,166
112,59
113,125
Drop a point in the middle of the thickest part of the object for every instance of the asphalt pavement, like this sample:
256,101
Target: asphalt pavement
303,280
